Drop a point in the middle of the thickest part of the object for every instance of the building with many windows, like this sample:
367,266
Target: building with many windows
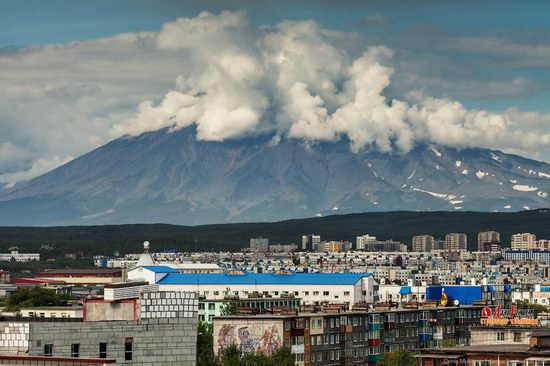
523,241
310,242
486,238
260,245
310,287
422,243
456,241
363,240
346,337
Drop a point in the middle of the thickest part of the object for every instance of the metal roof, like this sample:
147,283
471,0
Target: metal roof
161,269
263,279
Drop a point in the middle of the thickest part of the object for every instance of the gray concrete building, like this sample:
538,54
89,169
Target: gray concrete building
260,245
158,328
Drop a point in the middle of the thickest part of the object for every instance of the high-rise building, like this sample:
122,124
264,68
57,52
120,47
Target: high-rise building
487,237
334,246
456,241
363,240
385,246
260,245
523,241
311,242
422,243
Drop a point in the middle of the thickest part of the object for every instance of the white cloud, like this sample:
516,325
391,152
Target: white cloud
40,166
293,80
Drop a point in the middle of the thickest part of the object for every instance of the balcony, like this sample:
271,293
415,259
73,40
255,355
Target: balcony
374,326
346,328
374,342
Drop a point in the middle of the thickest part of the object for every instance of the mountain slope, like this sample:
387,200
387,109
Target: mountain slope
172,178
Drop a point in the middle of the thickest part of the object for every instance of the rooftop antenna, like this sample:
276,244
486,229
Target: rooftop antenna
146,247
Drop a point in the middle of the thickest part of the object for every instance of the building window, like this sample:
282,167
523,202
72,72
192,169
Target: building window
75,350
128,349
482,363
211,306
201,305
325,293
48,350
517,337
216,293
103,350
346,293
501,336
201,318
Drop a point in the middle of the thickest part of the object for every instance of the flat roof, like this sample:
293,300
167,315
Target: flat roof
94,271
161,269
78,307
263,279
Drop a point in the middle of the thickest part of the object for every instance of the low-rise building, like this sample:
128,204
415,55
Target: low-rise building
14,255
155,328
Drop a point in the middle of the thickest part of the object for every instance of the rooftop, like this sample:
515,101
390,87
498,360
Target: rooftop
263,279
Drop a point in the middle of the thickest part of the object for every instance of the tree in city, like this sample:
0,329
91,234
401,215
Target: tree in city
398,358
231,356
537,308
228,308
33,297
205,344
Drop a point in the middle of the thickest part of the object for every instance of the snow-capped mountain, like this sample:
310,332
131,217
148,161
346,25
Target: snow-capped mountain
171,177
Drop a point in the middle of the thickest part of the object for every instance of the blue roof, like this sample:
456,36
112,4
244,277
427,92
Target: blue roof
161,269
263,279
405,290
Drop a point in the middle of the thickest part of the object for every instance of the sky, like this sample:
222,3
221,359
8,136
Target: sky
383,74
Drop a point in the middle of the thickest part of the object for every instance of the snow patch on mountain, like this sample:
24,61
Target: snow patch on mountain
412,174
435,151
542,194
436,195
458,163
481,174
495,157
544,175
465,172
524,188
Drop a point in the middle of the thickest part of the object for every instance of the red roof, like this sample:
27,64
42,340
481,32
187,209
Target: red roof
81,273
37,281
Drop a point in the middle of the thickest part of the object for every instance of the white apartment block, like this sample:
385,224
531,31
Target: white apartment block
363,240
19,257
523,241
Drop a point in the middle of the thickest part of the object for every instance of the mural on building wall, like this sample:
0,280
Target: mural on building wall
251,338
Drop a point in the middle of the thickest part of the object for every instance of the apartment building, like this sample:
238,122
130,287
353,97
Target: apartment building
331,337
523,241
422,243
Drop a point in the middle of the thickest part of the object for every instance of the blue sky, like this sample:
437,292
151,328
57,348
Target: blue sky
491,56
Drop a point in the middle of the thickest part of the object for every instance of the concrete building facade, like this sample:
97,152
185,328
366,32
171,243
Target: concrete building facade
456,241
158,328
260,245
487,237
422,243
523,241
